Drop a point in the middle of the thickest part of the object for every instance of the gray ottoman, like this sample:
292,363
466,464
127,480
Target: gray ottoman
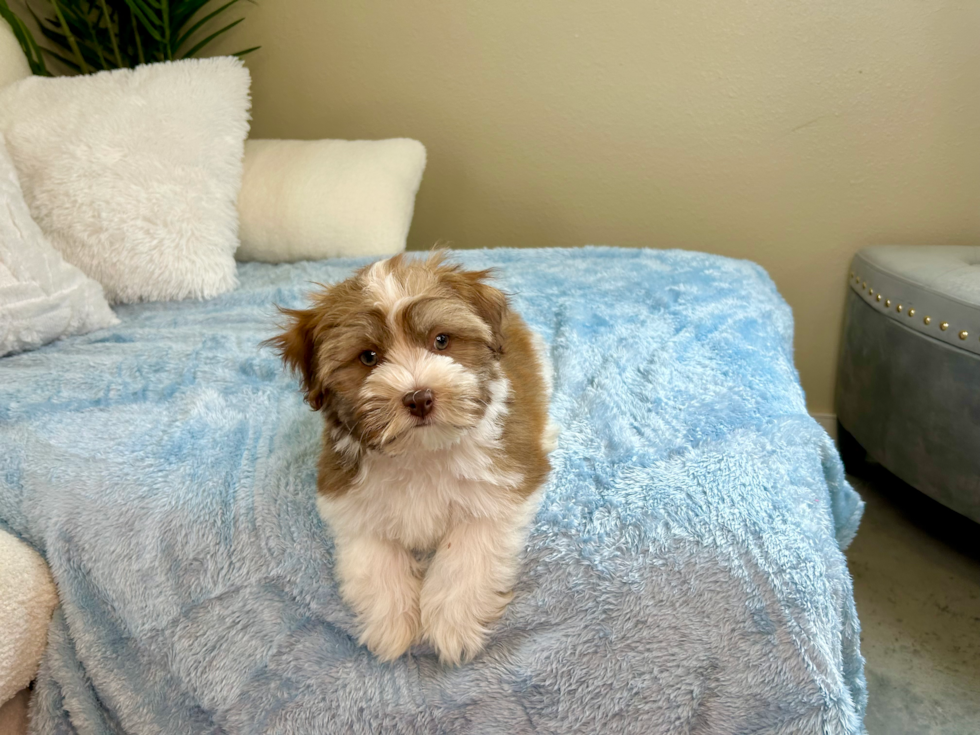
908,380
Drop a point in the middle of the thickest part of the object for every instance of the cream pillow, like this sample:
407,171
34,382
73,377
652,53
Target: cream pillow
27,599
315,199
134,174
42,297
13,63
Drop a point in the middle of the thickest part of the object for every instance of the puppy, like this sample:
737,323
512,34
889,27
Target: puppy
434,395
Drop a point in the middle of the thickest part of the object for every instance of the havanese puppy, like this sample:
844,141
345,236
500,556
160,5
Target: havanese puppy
434,395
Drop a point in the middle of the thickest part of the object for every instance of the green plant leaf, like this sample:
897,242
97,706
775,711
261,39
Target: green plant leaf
95,43
136,36
181,11
144,8
52,30
165,14
87,35
25,38
67,62
61,42
149,20
190,31
206,41
112,35
70,37
240,54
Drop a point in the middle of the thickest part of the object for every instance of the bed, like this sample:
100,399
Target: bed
684,574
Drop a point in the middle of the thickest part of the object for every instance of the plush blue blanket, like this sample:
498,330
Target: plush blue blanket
684,574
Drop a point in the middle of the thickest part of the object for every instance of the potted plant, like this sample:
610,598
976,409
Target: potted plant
92,35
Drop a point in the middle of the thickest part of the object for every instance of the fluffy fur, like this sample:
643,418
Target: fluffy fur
396,485
133,174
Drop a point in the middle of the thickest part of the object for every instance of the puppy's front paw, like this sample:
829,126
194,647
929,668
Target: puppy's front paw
458,631
380,581
389,637
457,638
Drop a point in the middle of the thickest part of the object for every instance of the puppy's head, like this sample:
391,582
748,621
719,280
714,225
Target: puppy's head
401,356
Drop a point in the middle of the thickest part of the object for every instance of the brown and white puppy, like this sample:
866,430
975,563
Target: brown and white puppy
435,398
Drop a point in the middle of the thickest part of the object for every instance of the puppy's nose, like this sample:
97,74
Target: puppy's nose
419,402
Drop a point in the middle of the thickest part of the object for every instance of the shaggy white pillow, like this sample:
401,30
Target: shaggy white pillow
315,199
42,297
134,174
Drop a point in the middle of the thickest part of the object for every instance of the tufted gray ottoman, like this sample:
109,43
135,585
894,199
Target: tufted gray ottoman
908,380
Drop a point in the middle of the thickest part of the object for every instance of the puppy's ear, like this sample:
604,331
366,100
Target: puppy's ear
490,303
297,347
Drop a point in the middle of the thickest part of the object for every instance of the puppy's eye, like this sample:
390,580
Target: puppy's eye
441,341
369,358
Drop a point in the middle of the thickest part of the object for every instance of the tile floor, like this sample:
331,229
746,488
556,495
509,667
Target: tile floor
916,569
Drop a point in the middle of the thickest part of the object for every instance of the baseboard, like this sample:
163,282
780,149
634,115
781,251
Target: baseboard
829,423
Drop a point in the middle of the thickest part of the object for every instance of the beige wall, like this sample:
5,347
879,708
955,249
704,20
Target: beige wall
784,131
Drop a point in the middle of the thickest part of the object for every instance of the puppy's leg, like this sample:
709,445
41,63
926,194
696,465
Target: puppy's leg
468,584
380,580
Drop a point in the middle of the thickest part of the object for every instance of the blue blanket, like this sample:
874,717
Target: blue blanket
684,574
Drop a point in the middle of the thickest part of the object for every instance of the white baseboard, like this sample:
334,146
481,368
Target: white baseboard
829,423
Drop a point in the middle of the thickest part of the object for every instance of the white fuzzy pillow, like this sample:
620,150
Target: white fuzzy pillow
42,298
315,199
134,174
